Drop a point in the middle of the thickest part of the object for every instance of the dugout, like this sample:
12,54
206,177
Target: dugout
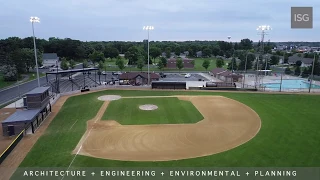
169,85
36,108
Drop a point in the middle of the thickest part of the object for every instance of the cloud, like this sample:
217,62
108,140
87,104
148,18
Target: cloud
180,19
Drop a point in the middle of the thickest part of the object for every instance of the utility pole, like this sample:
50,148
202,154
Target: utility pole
314,59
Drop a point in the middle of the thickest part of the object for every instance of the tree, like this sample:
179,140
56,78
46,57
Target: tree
80,52
297,71
206,64
140,64
177,50
298,63
206,52
85,64
111,52
96,57
133,55
286,58
193,62
120,64
168,52
245,44
233,64
179,64
64,64
72,63
160,65
305,73
191,53
155,52
164,61
216,51
274,60
287,71
220,63
10,73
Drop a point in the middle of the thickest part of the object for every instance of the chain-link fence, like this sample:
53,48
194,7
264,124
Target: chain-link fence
280,82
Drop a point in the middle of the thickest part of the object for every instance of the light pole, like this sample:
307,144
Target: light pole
245,69
263,31
229,37
314,59
265,68
35,20
148,28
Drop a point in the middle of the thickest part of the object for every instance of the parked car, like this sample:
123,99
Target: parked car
187,75
116,73
103,72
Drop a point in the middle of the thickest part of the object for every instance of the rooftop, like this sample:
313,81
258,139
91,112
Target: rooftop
49,56
38,90
22,116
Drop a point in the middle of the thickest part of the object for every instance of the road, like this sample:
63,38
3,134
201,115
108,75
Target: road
9,94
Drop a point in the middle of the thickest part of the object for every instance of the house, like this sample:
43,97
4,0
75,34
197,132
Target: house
187,63
50,59
304,49
199,54
306,62
137,78
225,75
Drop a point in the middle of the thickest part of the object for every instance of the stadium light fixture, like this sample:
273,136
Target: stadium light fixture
35,20
263,29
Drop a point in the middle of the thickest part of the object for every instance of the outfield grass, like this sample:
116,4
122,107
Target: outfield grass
289,136
127,112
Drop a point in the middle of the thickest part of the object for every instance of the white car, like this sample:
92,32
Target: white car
187,75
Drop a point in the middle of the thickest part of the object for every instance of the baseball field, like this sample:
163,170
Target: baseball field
181,129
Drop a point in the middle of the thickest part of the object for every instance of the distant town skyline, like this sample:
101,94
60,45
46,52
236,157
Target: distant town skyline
174,20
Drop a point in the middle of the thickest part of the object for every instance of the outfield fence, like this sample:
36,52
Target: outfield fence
14,143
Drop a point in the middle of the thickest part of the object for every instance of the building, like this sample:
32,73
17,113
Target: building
199,54
50,59
187,63
306,62
225,75
304,49
137,78
36,108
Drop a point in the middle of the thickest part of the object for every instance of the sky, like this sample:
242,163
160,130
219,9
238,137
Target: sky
173,20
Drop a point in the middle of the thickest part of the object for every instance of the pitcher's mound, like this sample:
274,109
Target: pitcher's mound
109,97
148,107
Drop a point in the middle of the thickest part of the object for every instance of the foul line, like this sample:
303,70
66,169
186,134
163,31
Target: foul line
96,119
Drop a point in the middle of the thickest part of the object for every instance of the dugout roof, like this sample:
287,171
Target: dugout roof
22,116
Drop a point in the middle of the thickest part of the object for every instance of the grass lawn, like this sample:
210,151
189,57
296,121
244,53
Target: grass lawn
32,76
4,84
289,136
127,112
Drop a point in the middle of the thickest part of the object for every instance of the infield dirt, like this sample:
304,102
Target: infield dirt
227,124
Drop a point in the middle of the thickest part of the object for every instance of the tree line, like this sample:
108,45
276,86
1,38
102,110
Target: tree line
17,53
